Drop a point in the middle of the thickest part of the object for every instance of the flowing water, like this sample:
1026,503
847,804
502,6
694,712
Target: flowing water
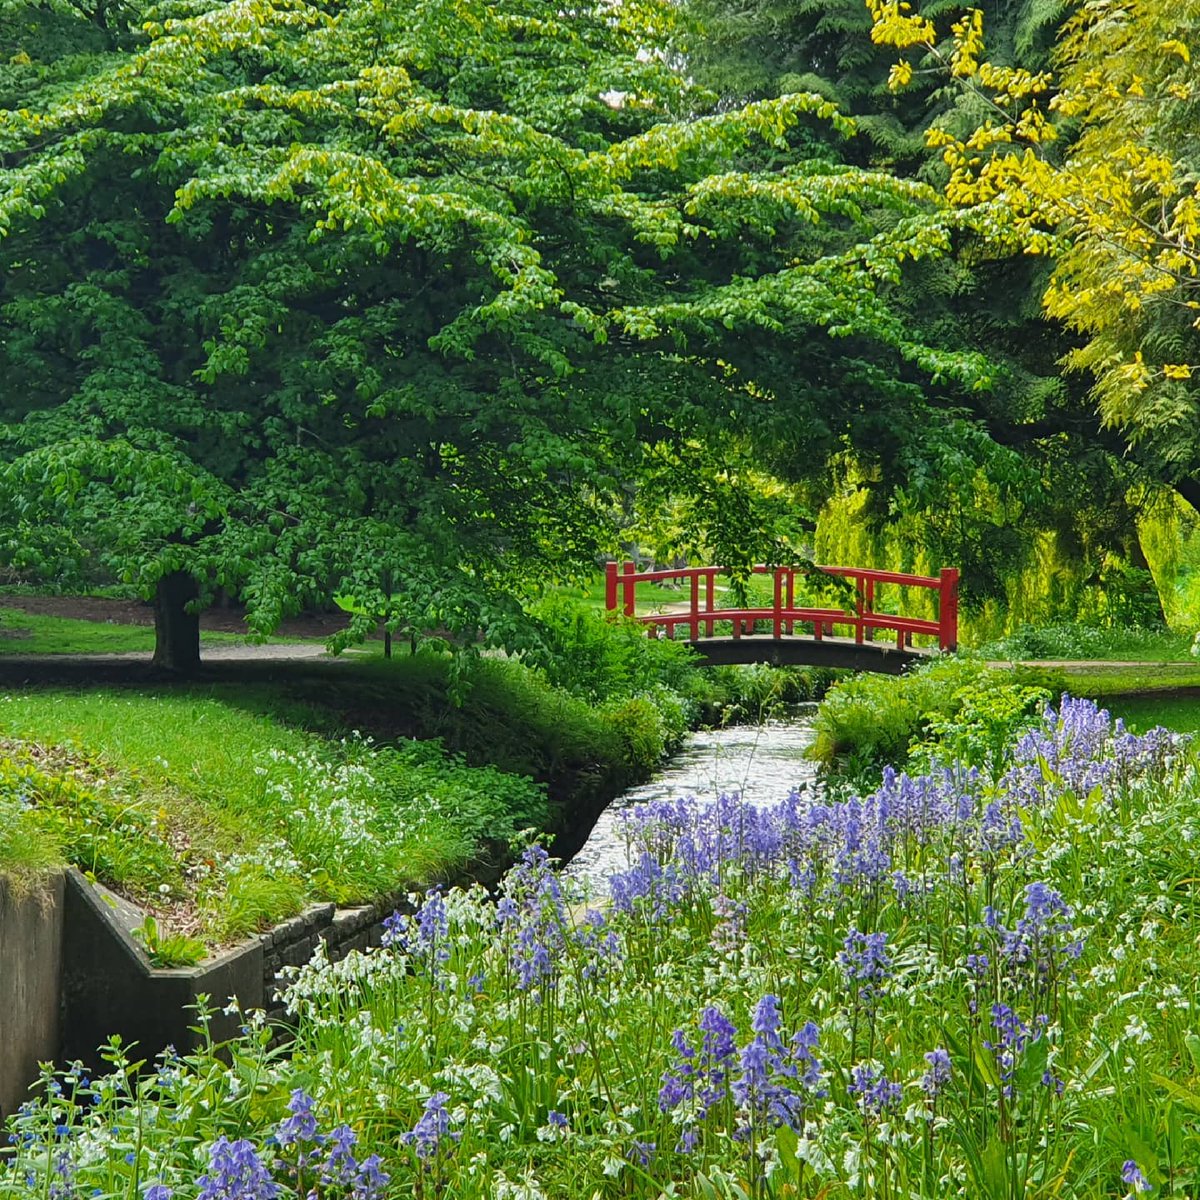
762,762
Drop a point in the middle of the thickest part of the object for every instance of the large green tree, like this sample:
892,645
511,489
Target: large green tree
400,300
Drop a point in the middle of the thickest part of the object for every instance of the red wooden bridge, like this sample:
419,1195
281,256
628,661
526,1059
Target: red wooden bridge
787,633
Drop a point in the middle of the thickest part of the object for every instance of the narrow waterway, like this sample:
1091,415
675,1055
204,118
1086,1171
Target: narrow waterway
762,762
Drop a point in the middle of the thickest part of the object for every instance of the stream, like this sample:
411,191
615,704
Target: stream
762,762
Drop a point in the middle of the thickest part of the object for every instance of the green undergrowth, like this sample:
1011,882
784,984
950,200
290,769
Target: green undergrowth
1069,640
964,708
36,633
951,707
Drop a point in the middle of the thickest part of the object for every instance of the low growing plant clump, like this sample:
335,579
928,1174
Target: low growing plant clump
954,708
966,983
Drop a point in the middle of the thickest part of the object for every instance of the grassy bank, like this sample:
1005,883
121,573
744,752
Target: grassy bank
220,819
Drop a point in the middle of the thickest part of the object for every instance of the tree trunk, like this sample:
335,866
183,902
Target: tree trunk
176,631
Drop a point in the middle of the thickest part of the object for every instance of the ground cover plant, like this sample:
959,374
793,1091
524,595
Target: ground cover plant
969,982
1066,640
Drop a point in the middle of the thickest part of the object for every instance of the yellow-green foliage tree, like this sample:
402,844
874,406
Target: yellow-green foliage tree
1095,164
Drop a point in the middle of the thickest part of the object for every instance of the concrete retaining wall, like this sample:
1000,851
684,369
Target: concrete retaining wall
110,987
31,935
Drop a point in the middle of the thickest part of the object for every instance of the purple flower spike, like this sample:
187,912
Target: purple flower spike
1131,1173
301,1126
938,1074
432,1129
876,1093
235,1172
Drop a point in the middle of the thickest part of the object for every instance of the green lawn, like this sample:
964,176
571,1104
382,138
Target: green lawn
1181,713
1068,640
34,633
1099,682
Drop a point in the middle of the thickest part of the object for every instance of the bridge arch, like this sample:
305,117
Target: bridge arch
794,634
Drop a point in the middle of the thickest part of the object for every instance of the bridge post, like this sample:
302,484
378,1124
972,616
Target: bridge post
628,569
695,613
948,609
610,587
778,627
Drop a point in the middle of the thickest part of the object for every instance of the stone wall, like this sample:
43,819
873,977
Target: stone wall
343,930
31,932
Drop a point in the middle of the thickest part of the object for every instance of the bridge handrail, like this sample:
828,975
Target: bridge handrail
783,613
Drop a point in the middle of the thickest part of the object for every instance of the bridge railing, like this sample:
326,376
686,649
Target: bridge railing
701,614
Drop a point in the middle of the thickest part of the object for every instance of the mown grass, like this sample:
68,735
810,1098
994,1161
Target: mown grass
35,633
1100,682
1068,640
1140,713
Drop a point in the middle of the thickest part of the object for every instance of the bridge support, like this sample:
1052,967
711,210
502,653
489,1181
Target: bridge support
807,652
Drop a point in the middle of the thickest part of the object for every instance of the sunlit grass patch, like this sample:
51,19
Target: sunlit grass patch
36,633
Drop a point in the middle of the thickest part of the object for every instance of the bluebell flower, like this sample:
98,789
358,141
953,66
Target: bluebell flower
1131,1174
1013,1037
235,1172
875,1092
866,963
431,1130
700,1076
533,920
642,1153
777,1081
938,1073
423,936
301,1126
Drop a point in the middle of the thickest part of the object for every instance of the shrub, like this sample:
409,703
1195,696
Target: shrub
873,720
601,658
